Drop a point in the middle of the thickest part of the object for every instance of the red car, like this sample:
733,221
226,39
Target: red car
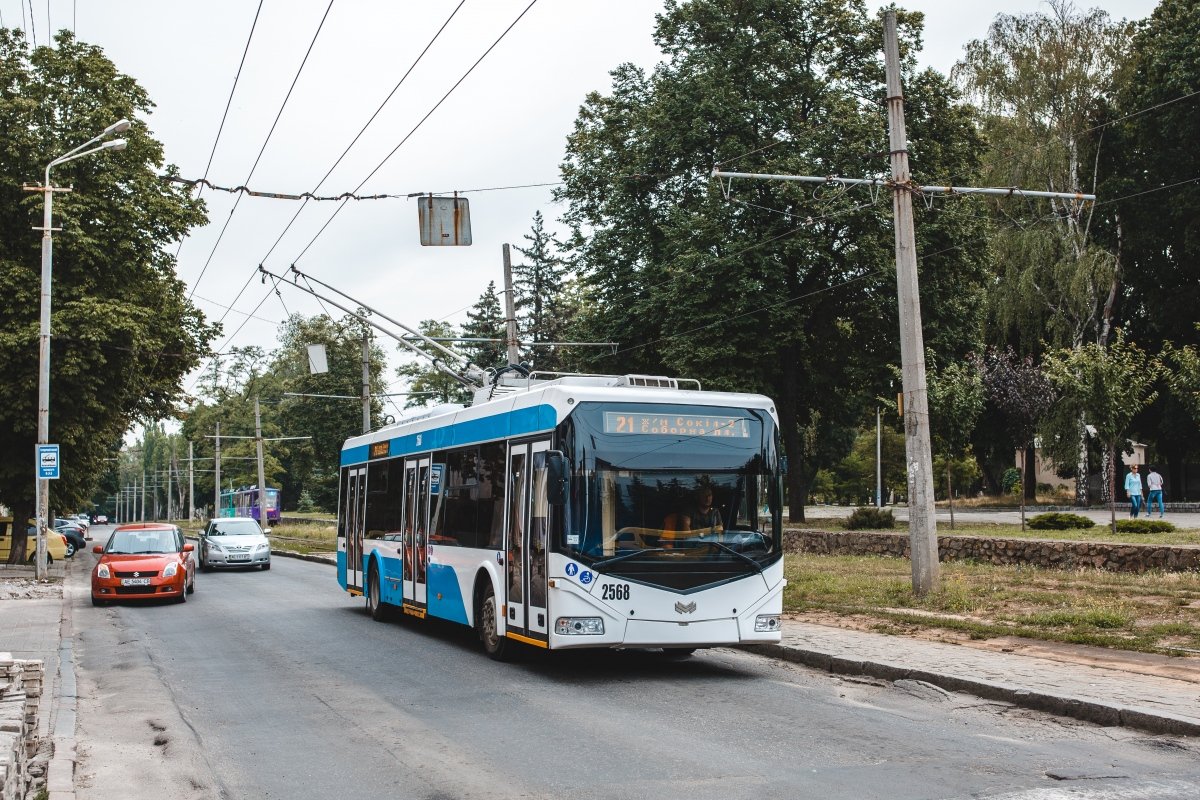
144,561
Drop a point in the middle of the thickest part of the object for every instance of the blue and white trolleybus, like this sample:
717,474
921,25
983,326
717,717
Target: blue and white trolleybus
573,512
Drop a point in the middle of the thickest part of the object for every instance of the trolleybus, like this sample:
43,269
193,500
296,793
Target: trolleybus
244,503
569,512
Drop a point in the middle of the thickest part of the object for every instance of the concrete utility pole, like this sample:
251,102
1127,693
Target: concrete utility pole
191,484
262,482
510,310
922,522
170,463
217,473
143,495
366,380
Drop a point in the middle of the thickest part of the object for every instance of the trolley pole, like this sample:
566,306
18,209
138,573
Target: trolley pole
510,310
262,482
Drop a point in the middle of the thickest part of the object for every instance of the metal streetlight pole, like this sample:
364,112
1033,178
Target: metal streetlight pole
43,484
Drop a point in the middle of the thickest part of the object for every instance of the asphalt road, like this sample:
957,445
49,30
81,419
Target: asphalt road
278,685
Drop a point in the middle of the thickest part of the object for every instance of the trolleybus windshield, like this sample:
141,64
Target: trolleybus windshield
673,494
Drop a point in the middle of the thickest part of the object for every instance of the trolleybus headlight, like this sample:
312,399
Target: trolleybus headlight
579,626
766,623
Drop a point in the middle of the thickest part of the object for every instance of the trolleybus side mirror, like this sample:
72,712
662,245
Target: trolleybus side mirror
556,478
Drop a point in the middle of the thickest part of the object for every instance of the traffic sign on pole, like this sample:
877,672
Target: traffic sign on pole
47,460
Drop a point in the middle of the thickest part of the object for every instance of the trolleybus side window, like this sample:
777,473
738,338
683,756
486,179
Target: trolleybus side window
384,484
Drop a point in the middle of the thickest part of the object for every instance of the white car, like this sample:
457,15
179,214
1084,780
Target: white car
234,542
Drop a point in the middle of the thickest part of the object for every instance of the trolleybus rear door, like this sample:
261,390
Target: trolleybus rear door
525,546
416,530
355,513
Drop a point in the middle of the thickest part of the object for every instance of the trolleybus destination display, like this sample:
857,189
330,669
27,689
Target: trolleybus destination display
638,422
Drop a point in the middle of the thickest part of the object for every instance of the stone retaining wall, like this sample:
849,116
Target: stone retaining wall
20,696
1055,554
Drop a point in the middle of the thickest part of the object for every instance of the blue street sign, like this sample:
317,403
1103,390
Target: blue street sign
47,461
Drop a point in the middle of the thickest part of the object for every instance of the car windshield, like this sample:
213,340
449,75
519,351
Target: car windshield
143,542
241,527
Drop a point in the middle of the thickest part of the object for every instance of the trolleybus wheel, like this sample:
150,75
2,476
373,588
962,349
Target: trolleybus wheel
374,603
495,645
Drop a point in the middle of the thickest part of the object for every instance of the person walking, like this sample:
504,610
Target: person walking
1133,488
1154,491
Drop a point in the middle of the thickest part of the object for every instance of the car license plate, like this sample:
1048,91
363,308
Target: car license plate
239,558
135,581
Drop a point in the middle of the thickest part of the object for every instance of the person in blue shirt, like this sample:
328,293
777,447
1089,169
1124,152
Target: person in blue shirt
1133,488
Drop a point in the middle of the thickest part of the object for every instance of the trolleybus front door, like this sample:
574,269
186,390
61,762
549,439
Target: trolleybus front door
528,536
416,532
355,513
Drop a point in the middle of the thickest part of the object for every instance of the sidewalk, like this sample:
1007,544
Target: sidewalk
1117,693
33,628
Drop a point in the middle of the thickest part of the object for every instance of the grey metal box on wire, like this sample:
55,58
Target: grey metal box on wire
445,221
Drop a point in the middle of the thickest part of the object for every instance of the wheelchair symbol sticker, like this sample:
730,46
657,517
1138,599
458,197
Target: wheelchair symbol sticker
585,577
572,570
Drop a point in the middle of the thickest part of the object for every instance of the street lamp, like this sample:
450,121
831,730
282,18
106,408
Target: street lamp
43,485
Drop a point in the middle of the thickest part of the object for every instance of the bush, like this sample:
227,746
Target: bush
1144,526
871,519
1057,521
1010,482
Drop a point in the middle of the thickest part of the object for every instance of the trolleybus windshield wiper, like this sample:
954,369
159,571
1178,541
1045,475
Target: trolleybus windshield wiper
623,556
737,553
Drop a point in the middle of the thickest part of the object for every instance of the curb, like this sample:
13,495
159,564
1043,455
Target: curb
1107,714
316,559
60,771
1152,721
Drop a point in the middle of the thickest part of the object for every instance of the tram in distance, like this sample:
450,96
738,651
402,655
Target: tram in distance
573,511
243,502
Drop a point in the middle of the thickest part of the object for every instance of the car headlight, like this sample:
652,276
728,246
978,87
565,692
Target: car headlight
263,546
171,569
102,571
215,546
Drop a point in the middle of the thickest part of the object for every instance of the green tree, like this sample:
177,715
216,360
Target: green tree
314,466
1150,154
124,331
538,286
485,320
1098,382
429,384
1041,79
955,403
774,290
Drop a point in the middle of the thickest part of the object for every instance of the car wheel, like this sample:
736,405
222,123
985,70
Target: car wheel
192,586
495,645
375,604
204,565
96,601
182,596
267,565
70,549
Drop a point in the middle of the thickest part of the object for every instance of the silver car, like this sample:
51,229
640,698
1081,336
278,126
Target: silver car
234,542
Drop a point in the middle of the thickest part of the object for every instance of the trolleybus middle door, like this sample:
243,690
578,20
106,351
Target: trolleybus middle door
416,532
528,537
355,511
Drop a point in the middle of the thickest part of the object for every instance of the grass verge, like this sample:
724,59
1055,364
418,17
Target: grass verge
1004,530
305,538
1151,612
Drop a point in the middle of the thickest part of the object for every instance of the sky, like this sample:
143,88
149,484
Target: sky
504,125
